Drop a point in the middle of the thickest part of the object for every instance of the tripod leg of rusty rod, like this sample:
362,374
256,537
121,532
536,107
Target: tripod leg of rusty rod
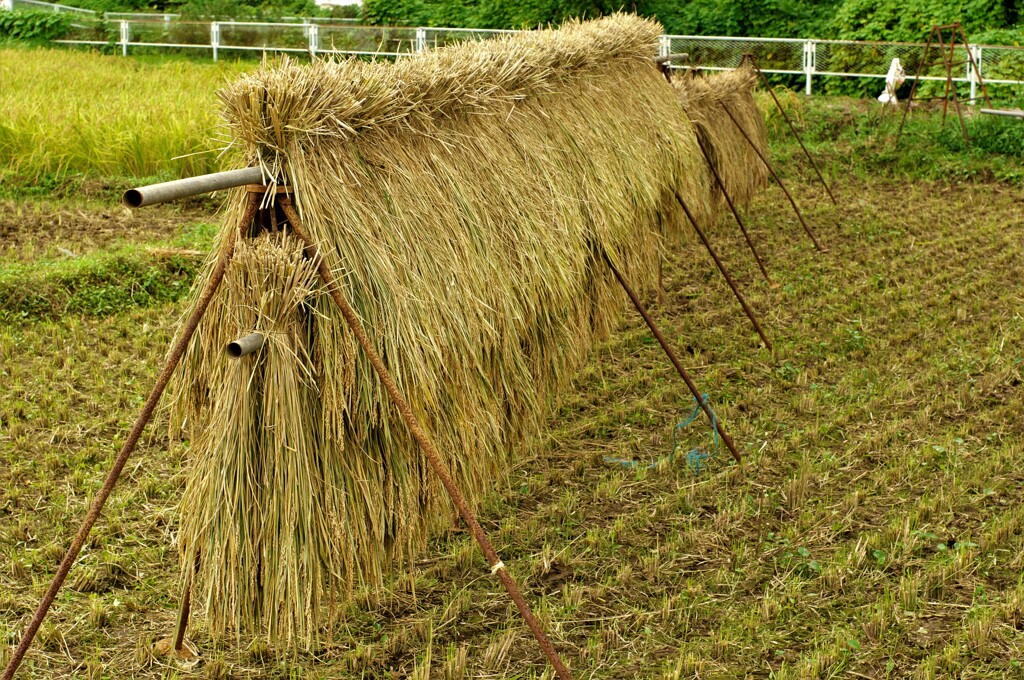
947,63
977,73
913,87
792,128
774,174
93,514
674,359
185,609
183,613
735,212
425,444
721,267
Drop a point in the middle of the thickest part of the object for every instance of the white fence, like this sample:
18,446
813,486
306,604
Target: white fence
811,59
997,65
142,16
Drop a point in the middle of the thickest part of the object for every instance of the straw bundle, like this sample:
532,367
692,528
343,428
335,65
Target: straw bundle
462,199
703,96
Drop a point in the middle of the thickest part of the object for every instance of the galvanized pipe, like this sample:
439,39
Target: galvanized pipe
191,186
1013,113
247,345
665,58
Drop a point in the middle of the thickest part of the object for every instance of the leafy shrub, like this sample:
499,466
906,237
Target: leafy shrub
911,20
763,18
33,26
997,134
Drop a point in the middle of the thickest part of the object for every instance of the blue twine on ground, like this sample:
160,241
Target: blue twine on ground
695,458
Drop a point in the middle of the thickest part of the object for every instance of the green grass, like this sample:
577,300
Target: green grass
861,137
873,529
96,284
103,281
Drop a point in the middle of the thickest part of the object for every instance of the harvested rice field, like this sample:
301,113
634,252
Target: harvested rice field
475,204
874,529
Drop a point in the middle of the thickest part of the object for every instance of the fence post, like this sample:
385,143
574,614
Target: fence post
214,37
421,40
126,36
810,58
664,46
972,77
313,35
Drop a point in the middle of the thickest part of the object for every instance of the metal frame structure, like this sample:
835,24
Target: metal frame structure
947,45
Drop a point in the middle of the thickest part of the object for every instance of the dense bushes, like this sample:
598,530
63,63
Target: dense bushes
890,20
32,26
910,20
998,22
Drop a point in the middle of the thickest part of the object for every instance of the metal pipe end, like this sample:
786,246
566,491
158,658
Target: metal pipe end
243,346
132,198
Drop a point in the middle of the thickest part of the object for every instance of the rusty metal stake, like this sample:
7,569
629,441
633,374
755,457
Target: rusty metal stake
426,445
721,268
122,457
735,213
672,357
792,128
183,614
768,165
184,610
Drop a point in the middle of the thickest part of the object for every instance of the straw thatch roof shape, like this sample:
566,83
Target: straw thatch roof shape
462,198
703,96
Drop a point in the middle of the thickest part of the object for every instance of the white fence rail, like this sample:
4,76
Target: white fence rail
145,16
811,59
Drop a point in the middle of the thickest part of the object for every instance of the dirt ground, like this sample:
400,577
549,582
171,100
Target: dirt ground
88,220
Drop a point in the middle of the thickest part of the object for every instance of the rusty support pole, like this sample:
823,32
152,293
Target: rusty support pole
949,81
949,72
183,614
426,445
913,88
721,267
977,72
674,359
735,213
184,610
774,174
792,128
122,457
